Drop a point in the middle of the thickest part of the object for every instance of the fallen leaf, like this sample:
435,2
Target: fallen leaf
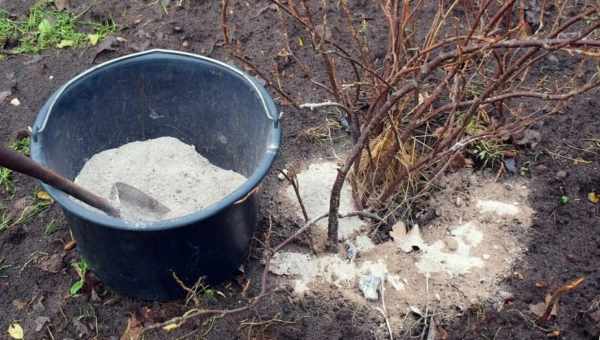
133,330
578,161
15,331
594,197
94,39
540,308
554,334
43,196
540,284
170,327
53,264
70,245
19,304
76,287
65,43
407,241
553,300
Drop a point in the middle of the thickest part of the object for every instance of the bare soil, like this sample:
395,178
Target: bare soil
562,244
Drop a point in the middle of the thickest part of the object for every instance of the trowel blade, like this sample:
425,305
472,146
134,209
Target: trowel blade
136,198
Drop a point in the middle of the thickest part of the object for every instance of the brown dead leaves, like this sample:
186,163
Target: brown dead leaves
550,308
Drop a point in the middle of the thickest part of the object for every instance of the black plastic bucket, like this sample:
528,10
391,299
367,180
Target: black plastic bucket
230,119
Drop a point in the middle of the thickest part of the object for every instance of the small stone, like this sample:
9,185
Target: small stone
185,44
451,244
51,77
458,202
137,21
486,256
177,29
15,102
561,174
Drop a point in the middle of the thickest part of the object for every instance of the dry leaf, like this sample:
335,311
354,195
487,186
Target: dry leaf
540,284
540,308
43,196
594,197
170,327
554,334
70,245
407,241
15,331
133,330
52,264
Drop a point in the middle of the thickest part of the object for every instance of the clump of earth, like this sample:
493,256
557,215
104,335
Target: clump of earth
166,169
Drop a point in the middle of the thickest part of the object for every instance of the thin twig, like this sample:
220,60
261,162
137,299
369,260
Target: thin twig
293,180
383,311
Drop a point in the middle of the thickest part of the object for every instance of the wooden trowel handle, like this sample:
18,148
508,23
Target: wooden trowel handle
19,163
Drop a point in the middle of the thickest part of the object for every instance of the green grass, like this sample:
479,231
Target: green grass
81,267
26,216
45,27
7,27
22,146
489,153
6,175
51,228
6,181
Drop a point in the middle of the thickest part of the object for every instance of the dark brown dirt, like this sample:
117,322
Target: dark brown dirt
566,243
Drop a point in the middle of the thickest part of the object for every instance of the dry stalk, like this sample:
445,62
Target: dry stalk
425,97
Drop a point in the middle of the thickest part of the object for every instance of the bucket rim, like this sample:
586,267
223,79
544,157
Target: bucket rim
238,196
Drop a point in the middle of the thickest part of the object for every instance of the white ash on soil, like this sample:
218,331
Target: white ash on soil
165,168
457,261
315,188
